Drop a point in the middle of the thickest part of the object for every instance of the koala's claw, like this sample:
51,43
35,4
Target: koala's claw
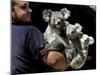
43,52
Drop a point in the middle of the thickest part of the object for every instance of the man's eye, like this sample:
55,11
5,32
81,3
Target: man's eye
23,7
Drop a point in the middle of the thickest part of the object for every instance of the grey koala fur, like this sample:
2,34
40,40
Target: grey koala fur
56,24
80,44
62,35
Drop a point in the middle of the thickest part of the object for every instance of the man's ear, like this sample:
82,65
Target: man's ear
65,12
13,16
46,15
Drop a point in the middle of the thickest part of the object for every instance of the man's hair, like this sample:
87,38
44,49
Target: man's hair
13,3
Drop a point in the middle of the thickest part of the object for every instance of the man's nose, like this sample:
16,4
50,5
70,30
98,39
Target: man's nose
29,10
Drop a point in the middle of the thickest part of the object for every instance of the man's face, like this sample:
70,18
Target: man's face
21,12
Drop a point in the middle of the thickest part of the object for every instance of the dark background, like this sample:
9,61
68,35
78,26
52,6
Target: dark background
82,14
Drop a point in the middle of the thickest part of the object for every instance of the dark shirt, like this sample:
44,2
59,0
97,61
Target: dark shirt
27,42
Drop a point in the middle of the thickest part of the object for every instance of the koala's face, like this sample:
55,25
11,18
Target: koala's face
56,18
87,40
71,31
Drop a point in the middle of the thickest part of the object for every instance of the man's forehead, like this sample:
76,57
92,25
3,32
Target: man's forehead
21,3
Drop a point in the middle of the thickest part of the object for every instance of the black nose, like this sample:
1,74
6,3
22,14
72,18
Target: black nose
59,23
72,32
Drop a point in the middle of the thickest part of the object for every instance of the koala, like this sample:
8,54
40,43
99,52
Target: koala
80,44
78,61
56,25
85,42
73,34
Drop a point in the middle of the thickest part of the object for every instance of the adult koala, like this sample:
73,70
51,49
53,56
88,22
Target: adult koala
55,30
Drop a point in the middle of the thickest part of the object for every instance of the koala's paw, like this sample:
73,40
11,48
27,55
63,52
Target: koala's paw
76,62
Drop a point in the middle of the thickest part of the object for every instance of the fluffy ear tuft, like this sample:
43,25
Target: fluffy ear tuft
46,15
65,12
91,40
78,27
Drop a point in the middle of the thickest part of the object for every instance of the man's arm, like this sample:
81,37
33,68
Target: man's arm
56,60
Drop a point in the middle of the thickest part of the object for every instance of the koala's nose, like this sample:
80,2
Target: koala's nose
58,22
72,32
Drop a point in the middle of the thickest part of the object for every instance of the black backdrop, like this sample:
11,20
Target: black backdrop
82,14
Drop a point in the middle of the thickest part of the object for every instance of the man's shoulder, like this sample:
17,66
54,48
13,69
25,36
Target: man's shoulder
24,27
27,30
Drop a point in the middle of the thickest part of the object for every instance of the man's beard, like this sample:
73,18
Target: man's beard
23,21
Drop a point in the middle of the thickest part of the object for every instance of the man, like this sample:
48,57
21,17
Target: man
27,43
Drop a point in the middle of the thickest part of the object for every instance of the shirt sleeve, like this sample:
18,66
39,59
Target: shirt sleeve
36,42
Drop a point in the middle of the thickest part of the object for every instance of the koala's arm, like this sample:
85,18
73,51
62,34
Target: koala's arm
55,44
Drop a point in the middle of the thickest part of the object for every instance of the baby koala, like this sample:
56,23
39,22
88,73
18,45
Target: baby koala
80,43
79,60
85,42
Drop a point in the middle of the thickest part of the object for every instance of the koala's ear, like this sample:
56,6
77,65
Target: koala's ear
91,40
65,12
66,23
46,15
78,27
